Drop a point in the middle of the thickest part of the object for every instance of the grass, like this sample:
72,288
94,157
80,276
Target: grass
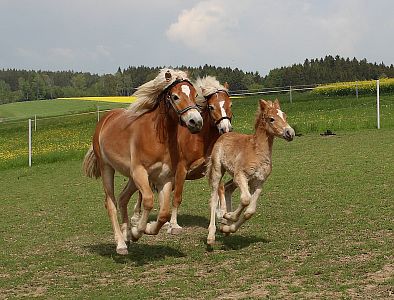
324,229
44,108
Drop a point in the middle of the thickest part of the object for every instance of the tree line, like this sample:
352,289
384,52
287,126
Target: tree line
24,85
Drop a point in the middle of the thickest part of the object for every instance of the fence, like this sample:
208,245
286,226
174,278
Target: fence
74,140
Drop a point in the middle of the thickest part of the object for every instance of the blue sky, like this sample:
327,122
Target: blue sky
254,35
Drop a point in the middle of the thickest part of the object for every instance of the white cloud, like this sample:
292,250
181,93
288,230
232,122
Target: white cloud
207,28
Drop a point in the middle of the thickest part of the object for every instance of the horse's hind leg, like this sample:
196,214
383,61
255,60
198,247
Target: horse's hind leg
229,189
164,212
215,177
123,200
140,178
137,211
107,174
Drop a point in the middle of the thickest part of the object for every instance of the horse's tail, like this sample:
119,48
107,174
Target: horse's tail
90,164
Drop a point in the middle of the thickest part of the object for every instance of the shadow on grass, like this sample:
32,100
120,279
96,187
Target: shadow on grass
236,242
187,220
140,254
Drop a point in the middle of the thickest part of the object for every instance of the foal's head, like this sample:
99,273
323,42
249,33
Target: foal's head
219,106
182,96
274,120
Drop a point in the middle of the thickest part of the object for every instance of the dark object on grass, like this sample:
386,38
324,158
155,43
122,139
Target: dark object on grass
327,133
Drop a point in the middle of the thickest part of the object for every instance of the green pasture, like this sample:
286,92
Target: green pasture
323,228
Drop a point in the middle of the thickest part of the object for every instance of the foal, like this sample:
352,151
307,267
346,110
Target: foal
248,159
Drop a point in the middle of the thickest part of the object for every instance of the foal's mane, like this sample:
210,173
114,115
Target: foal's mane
148,94
206,86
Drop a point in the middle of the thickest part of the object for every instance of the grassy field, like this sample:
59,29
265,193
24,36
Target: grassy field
323,229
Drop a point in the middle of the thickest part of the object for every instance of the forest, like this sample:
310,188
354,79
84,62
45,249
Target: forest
26,85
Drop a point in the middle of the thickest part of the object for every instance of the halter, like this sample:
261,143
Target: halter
209,97
179,112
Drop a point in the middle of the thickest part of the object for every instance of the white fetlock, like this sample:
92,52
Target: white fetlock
174,229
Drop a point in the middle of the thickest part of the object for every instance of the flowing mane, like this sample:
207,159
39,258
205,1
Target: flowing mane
148,94
206,86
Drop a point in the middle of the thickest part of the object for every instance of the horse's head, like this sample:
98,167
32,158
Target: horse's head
274,120
182,96
219,106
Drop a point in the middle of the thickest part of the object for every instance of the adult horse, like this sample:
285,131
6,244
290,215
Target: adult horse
195,149
140,143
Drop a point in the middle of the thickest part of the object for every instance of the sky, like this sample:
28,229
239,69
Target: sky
98,36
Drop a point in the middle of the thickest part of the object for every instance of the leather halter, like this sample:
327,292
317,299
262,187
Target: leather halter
209,97
179,112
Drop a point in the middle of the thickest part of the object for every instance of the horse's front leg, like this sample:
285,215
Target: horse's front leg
180,177
141,180
248,213
242,182
164,212
124,199
137,211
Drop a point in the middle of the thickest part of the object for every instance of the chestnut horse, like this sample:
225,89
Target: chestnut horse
140,143
195,149
248,159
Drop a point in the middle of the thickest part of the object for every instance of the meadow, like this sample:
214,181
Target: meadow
323,229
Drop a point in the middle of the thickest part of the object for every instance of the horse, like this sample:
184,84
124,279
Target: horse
140,143
248,160
195,149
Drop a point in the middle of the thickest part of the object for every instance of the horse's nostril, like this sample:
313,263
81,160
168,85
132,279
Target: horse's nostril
192,122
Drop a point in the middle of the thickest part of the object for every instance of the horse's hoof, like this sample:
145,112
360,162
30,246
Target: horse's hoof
210,241
135,235
122,251
174,230
229,217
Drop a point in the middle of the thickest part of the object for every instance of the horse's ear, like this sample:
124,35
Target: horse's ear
168,75
203,90
276,104
263,104
226,85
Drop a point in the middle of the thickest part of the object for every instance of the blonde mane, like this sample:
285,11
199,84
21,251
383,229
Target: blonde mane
148,93
206,86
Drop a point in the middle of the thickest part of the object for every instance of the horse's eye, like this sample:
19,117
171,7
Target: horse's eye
175,97
272,120
211,107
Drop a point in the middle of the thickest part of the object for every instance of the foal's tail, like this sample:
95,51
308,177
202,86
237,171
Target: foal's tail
90,164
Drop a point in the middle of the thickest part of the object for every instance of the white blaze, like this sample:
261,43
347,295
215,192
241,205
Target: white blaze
221,103
280,114
185,89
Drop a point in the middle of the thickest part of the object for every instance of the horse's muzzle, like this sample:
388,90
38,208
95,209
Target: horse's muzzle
193,121
288,134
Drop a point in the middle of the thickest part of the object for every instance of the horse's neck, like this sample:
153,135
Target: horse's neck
209,131
166,123
263,143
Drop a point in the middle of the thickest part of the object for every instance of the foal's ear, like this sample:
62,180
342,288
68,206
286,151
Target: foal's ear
276,104
263,104
226,85
168,75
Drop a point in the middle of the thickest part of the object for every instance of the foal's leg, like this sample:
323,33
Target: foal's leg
249,212
107,174
180,177
242,182
214,178
123,200
140,178
229,189
164,212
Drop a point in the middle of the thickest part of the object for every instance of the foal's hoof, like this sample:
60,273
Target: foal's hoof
122,251
229,216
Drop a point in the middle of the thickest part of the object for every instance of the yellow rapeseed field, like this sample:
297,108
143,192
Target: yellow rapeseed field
118,99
